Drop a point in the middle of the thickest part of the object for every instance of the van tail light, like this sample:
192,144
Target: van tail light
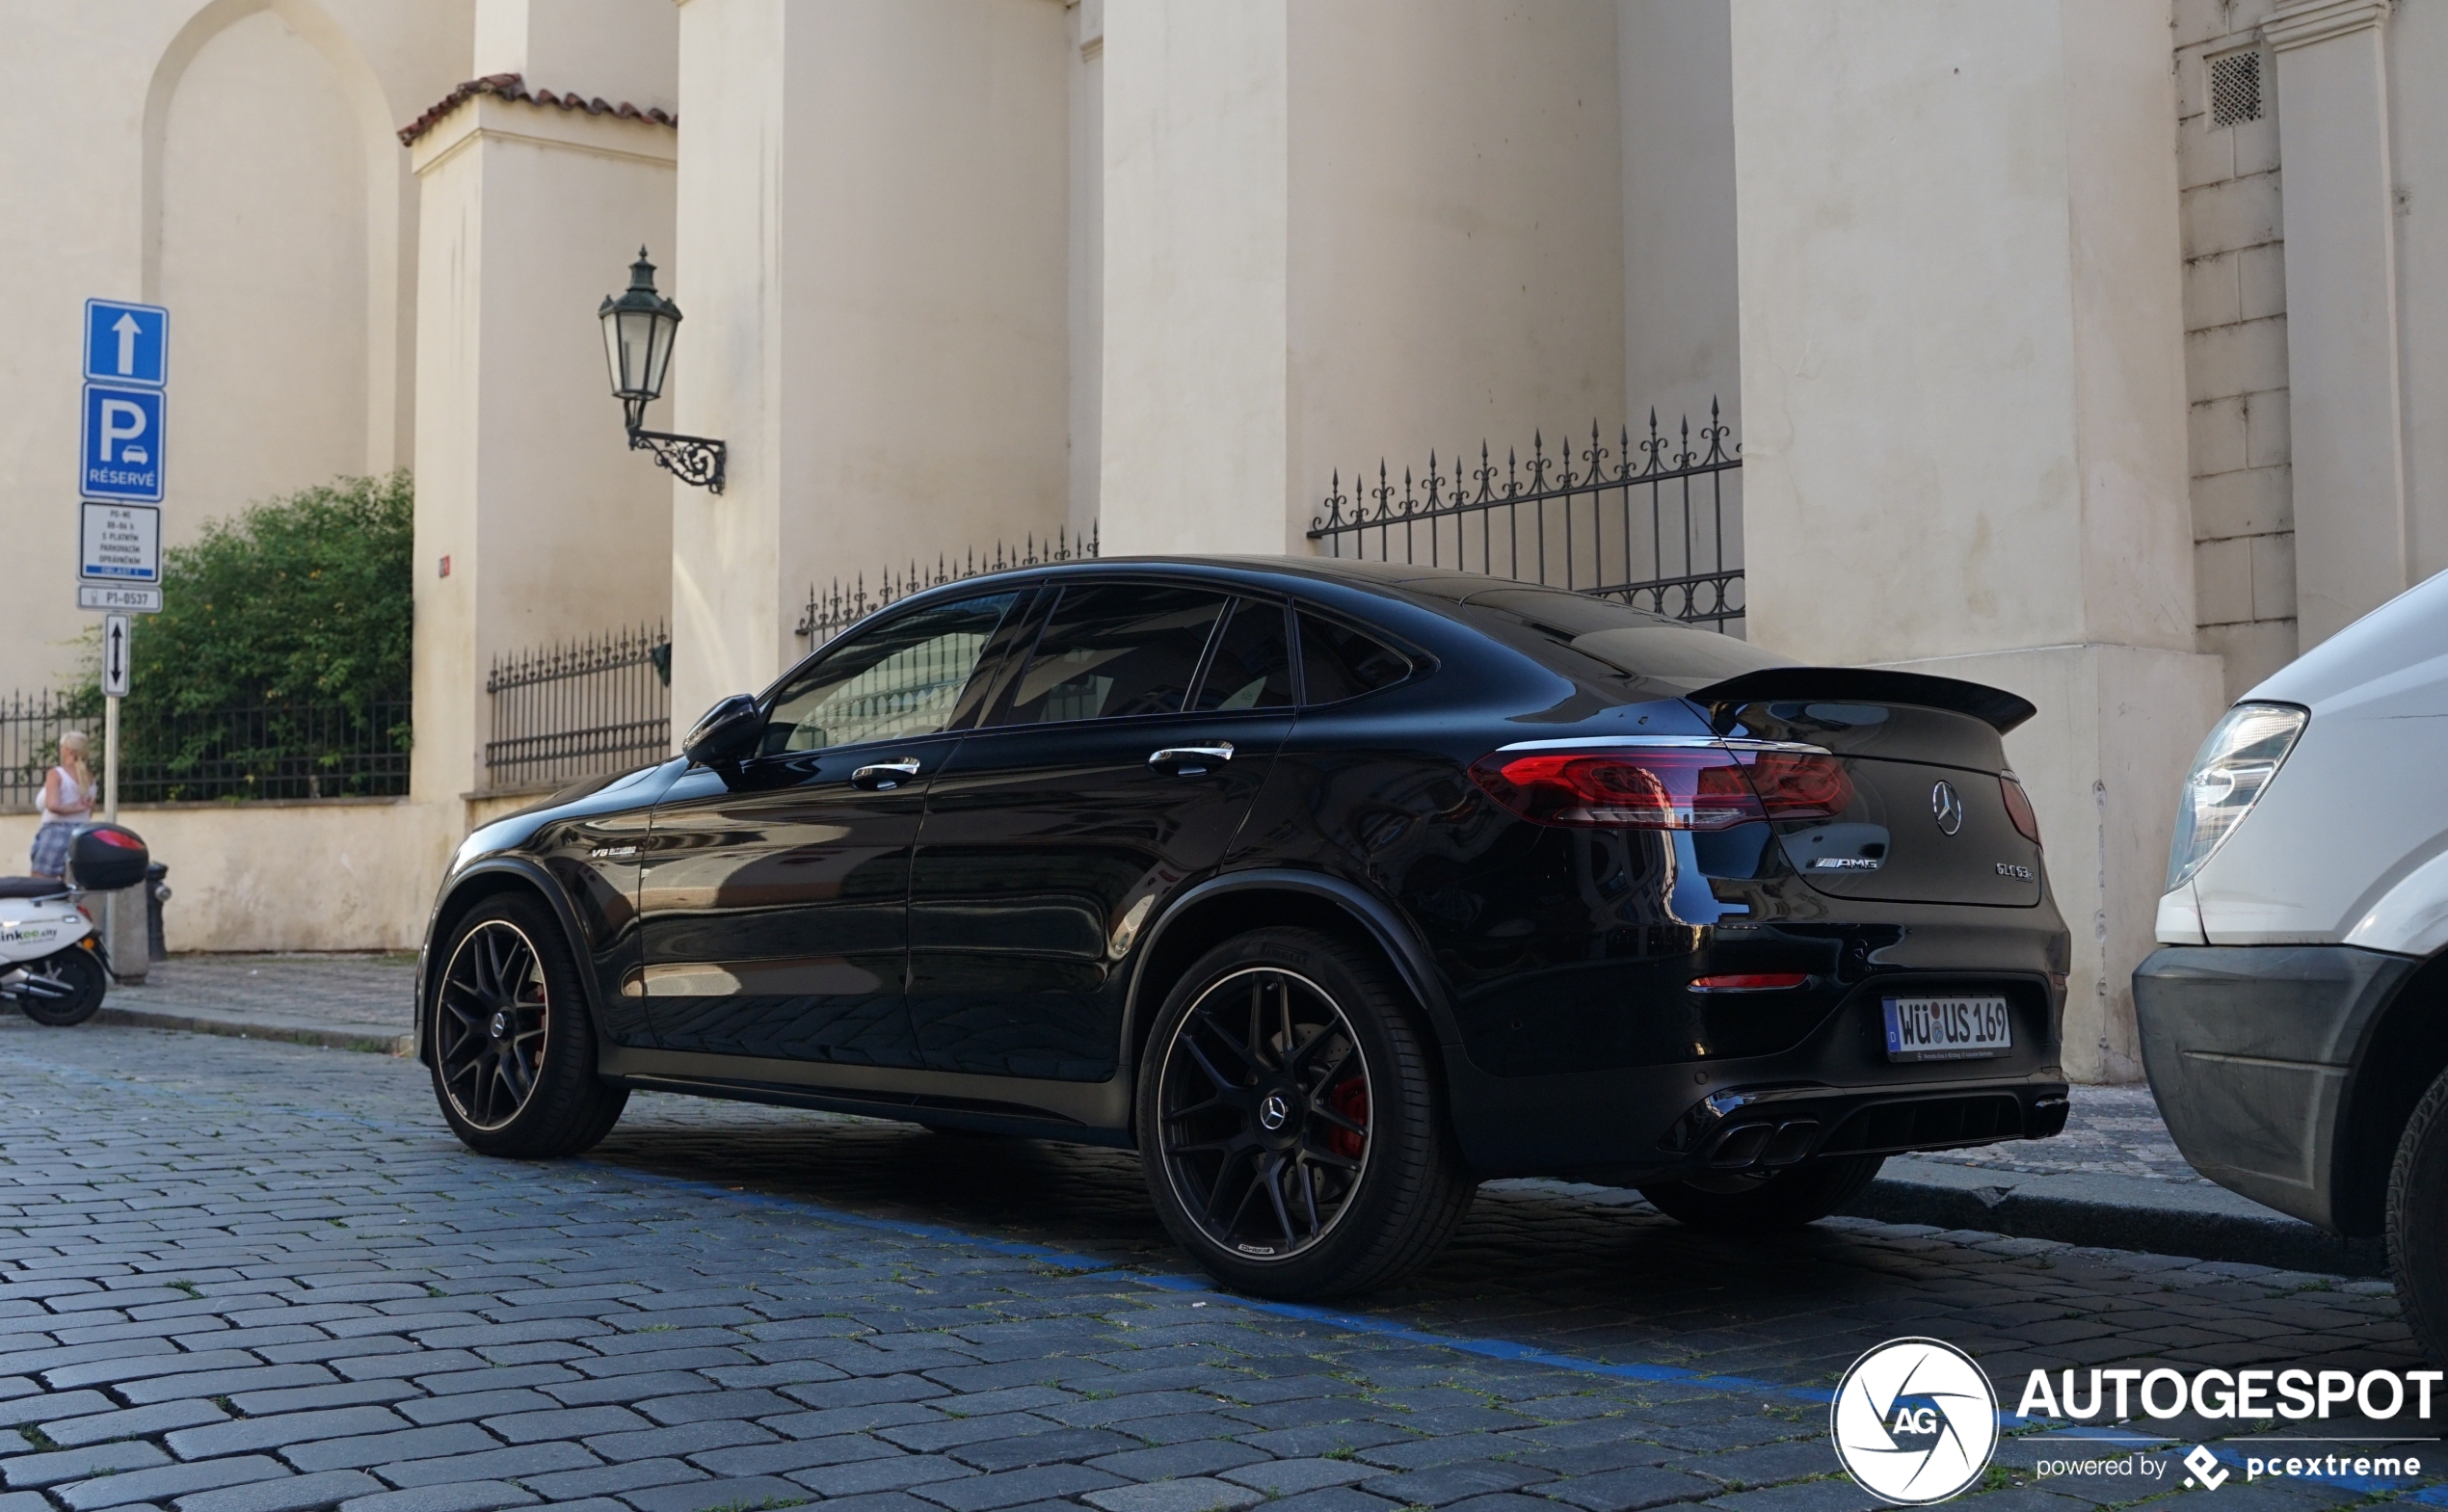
1689,785
2018,807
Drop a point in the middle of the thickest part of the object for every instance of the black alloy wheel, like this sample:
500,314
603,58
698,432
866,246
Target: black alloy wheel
1266,1106
491,1020
1290,1122
64,989
512,1050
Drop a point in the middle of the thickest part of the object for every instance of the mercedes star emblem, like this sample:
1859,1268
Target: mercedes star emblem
1946,806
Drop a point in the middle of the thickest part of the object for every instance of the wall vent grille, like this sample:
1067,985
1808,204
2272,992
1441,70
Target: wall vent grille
2235,88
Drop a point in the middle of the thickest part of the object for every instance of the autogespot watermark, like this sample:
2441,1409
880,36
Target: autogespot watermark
1916,1421
2240,1395
2249,1396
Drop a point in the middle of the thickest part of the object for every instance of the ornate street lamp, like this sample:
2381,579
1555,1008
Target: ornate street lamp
638,327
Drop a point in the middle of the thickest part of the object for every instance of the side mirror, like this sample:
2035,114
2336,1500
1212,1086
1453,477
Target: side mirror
727,735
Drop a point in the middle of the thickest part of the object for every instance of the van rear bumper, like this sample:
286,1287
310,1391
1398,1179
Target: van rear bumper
2250,1051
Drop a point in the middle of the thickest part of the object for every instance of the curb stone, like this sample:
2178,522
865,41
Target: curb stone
372,1041
2096,1210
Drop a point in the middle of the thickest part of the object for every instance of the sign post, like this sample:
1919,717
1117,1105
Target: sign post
119,568
114,669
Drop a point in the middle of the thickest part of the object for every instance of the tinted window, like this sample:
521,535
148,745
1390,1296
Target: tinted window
1253,665
1644,644
1113,650
900,679
1338,662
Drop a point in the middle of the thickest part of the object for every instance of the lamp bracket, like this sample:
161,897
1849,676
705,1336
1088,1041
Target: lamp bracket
691,459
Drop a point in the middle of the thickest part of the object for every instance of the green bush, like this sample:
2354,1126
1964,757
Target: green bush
303,600
278,665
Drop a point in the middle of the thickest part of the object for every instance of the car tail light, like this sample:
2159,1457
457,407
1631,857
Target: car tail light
2235,766
1800,784
1750,982
2018,807
1688,785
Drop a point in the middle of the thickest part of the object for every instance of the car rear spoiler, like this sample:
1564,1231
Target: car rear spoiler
2001,710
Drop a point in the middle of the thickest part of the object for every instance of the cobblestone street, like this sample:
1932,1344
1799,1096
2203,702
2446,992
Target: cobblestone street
362,1000
253,1276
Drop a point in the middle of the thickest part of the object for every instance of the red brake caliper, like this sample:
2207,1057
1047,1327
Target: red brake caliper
1351,1101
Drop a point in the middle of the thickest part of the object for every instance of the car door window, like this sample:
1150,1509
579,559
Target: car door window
900,679
1114,649
1253,663
1338,662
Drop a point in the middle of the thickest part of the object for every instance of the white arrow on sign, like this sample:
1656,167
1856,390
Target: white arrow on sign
115,656
126,329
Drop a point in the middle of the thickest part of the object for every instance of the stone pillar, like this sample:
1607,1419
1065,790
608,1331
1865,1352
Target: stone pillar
550,528
874,243
1316,256
1682,330
1964,406
1088,333
2341,311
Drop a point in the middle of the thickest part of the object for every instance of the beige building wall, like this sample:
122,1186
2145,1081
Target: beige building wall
234,159
1963,402
1315,262
553,529
2417,57
2319,489
2235,345
873,221
331,874
1682,330
1085,332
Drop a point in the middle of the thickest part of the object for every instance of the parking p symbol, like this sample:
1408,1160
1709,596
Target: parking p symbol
122,421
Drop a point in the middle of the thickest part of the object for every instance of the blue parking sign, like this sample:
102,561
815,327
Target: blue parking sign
122,445
126,343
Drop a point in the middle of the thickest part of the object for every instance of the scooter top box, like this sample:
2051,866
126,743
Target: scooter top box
104,858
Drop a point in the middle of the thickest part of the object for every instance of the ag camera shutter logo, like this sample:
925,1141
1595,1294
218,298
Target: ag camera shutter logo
1915,1421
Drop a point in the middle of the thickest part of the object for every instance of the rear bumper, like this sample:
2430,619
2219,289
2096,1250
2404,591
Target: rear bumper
1834,1093
2250,1051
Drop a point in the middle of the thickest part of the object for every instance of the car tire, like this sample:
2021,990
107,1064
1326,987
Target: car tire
1766,1203
2418,1222
1288,1064
78,975
511,1046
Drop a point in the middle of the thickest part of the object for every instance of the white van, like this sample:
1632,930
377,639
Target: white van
2295,1021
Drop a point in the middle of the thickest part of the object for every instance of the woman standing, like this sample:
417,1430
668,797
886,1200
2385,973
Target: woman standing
67,801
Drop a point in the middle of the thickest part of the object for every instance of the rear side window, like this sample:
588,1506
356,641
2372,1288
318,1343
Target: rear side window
1253,665
1338,662
1115,649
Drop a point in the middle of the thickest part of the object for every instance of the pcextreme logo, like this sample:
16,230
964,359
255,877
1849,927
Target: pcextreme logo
1915,1421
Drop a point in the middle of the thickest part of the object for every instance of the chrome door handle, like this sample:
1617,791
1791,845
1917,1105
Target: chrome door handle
1184,760
885,776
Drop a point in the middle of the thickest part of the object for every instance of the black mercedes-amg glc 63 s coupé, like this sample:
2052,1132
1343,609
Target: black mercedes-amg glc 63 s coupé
1333,889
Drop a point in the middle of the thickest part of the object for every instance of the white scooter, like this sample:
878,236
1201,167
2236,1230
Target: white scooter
52,961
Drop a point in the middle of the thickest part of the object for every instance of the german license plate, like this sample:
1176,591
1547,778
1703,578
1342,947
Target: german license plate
1946,1028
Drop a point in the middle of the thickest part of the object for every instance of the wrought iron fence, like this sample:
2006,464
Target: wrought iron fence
265,751
580,707
31,724
1662,533
832,610
270,751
